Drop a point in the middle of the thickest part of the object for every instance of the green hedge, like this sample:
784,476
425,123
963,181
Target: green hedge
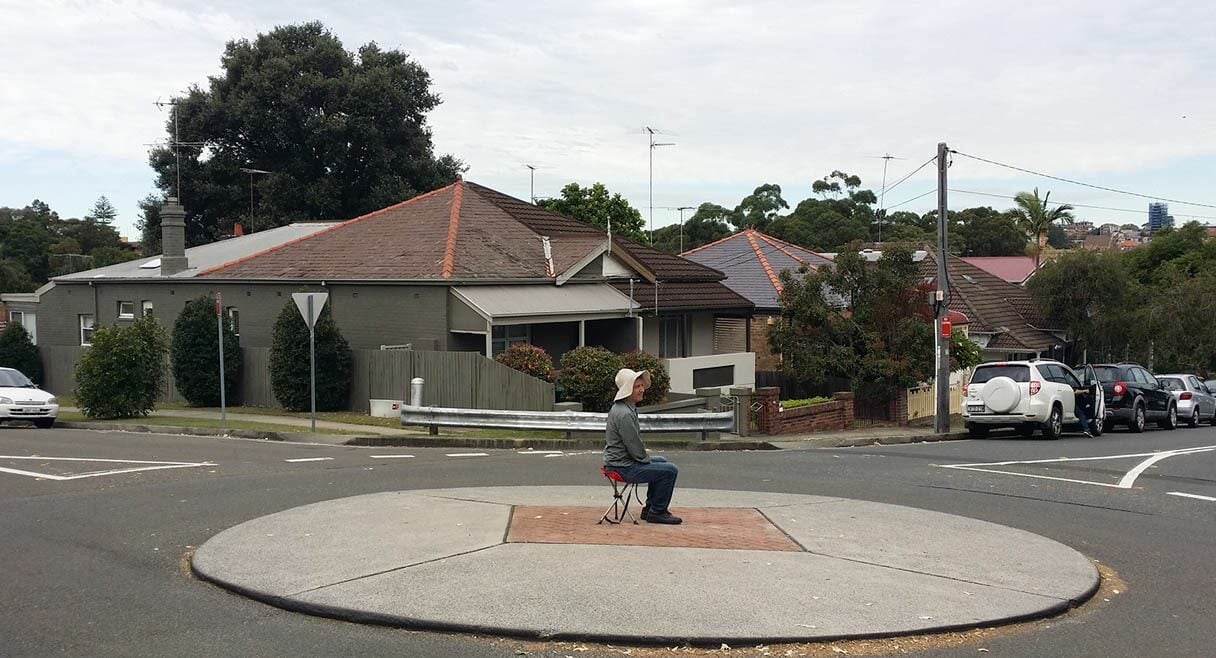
18,351
588,376
121,374
289,362
195,354
803,402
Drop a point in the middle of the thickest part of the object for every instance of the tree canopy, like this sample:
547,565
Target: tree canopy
708,224
596,206
37,244
341,134
1036,216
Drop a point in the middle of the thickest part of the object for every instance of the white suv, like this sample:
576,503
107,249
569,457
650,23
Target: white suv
1029,395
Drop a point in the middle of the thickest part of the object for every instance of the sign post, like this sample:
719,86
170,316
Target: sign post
219,325
310,305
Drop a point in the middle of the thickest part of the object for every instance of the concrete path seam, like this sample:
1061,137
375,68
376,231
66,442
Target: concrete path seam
397,568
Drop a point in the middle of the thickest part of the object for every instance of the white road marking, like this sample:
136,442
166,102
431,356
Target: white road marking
392,456
1126,482
467,454
539,452
309,459
1190,495
154,466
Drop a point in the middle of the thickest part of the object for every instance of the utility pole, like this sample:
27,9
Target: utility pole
682,209
941,419
531,183
653,145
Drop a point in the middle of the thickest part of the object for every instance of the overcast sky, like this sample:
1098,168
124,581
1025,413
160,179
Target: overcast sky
1118,94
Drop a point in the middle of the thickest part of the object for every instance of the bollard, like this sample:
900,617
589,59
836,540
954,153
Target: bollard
743,410
416,385
568,406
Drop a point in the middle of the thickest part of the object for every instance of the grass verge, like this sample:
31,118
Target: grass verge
177,421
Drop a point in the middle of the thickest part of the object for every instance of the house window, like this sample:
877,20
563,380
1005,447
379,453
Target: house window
86,329
145,307
126,310
671,338
234,319
17,317
508,335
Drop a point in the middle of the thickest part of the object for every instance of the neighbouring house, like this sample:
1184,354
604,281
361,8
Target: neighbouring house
1102,241
463,268
1014,269
752,262
1002,317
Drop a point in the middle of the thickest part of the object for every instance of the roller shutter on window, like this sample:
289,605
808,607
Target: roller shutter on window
730,335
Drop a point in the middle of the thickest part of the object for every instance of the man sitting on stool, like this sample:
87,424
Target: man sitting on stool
625,453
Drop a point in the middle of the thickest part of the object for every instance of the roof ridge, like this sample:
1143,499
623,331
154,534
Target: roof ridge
732,235
449,250
497,199
323,231
772,239
768,239
768,269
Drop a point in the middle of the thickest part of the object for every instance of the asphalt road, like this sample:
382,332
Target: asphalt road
94,554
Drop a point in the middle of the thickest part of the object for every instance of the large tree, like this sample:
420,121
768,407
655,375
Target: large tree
596,206
342,133
759,208
987,232
1035,215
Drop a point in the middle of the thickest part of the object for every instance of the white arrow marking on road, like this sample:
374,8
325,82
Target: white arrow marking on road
1130,479
1189,495
156,466
309,459
392,456
467,454
1126,482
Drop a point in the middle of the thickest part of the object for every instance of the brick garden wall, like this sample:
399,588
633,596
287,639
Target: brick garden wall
834,415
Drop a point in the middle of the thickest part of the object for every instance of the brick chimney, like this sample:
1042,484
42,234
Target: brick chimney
172,238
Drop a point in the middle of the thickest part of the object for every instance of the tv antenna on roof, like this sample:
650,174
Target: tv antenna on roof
882,194
177,143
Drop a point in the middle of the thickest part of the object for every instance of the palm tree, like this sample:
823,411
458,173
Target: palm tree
1035,218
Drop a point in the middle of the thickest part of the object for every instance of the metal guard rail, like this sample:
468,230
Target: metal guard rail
568,421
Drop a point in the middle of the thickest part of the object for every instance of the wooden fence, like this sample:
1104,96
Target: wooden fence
922,401
453,379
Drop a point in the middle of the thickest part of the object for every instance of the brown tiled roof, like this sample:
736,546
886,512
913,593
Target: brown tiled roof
684,295
993,305
459,232
753,262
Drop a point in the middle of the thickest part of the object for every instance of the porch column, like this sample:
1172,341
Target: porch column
582,333
489,341
639,341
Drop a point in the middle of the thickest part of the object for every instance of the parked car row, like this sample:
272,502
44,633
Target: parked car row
1048,396
21,399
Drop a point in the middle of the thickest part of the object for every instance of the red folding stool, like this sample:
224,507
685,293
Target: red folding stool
622,492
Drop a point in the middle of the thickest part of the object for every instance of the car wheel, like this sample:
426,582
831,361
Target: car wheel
1138,420
1194,421
1171,419
1054,425
1096,426
44,423
975,431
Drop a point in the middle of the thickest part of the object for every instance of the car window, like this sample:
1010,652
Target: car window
1108,373
1070,377
983,373
1048,372
14,378
1195,384
1172,384
1087,375
1145,376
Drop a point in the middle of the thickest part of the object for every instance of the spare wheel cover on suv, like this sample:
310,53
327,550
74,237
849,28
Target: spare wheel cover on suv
1001,394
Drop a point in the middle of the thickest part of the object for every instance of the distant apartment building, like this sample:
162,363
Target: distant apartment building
1159,216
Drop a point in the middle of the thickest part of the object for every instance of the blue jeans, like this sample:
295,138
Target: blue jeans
660,478
1081,415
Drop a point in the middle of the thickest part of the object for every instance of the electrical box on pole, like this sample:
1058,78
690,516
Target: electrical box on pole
941,419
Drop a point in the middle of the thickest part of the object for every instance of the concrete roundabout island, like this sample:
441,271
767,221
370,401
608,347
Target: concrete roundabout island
744,567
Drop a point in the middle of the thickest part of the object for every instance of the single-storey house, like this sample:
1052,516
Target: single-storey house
463,268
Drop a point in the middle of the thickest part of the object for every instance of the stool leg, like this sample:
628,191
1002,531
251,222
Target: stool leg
615,513
631,488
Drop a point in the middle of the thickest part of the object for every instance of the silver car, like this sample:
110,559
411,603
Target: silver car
1195,401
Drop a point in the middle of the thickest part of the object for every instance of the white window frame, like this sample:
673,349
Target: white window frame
145,308
233,314
17,316
512,334
87,322
129,314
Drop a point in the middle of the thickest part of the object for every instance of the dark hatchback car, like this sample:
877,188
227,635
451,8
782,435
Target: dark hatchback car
1134,397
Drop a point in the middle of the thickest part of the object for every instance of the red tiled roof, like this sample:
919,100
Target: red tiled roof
684,295
459,232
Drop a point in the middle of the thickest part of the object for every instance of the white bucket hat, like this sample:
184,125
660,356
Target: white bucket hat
624,382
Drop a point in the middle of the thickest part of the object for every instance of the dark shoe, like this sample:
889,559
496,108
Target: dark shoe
666,518
645,513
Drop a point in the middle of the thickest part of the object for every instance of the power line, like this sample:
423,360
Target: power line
914,171
923,194
1077,205
1077,182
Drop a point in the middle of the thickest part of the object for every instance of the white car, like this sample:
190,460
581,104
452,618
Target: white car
1030,395
21,399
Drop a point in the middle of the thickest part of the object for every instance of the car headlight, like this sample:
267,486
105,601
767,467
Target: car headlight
4,400
51,400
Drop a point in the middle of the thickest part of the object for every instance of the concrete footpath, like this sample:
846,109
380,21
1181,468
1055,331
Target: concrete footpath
375,435
745,567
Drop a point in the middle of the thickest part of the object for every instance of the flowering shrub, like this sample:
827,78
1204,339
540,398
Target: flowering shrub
528,359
